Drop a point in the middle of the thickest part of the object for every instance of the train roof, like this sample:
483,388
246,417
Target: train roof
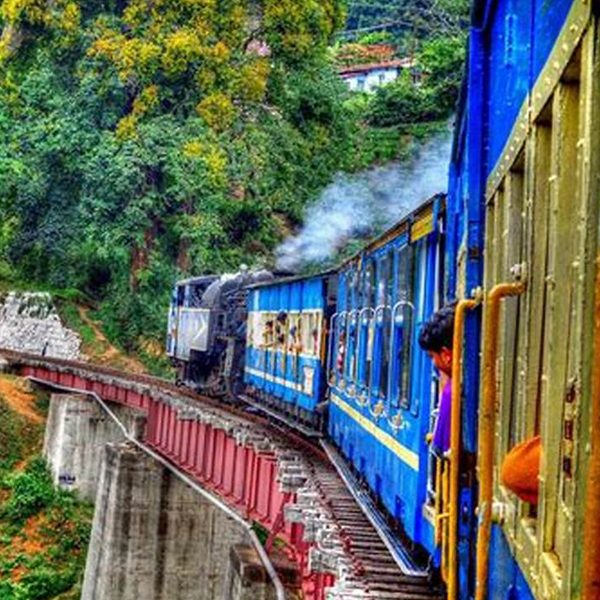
291,279
420,217
196,280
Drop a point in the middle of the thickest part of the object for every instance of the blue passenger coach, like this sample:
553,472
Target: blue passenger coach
383,391
286,343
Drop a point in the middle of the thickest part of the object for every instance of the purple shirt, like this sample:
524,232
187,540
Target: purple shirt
441,432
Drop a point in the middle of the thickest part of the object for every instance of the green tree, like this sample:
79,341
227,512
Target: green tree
141,141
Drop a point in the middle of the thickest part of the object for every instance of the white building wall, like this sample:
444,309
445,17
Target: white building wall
370,81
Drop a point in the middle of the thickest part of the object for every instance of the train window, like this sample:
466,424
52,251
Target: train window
310,332
359,290
259,329
405,274
295,334
268,330
513,310
180,295
403,323
385,281
383,319
369,285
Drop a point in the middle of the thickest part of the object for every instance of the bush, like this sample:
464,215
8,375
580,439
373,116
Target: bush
403,102
31,491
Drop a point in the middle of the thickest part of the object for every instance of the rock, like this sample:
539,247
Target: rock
30,323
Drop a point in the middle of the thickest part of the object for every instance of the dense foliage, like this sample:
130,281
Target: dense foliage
143,141
137,139
44,532
439,62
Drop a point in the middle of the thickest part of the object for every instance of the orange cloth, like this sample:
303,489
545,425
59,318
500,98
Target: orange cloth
521,469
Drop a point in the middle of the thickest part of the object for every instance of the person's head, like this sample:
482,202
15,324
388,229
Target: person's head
436,337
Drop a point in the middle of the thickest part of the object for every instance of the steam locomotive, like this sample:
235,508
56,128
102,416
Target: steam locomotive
515,241
207,330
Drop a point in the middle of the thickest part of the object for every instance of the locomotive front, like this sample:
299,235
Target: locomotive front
207,330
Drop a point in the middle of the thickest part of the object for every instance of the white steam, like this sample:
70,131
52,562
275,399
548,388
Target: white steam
358,206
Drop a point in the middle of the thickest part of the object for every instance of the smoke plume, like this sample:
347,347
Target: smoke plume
361,205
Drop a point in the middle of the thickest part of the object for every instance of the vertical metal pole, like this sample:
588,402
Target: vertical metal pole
455,444
487,415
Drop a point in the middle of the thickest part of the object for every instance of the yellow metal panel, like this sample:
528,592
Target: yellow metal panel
423,225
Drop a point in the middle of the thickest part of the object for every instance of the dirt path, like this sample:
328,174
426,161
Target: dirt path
110,355
19,400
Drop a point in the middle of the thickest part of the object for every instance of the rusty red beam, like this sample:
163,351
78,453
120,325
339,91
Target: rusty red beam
244,478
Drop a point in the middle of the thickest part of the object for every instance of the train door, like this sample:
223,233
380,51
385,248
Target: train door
538,230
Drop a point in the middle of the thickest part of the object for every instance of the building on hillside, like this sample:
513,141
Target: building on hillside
369,77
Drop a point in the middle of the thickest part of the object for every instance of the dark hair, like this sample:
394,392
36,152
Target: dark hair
437,332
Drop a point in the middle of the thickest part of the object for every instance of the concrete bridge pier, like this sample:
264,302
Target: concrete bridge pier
77,429
153,537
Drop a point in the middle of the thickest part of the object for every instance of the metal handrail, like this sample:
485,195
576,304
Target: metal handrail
486,429
334,316
455,434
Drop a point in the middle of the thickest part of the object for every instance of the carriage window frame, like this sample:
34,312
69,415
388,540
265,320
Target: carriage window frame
385,286
405,276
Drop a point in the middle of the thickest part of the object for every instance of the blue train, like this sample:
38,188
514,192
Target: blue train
515,242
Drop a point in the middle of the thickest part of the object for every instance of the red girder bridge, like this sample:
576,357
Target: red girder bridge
266,475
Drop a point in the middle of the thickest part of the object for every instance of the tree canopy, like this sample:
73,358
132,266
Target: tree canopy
139,139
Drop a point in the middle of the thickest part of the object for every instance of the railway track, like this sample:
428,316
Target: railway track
336,535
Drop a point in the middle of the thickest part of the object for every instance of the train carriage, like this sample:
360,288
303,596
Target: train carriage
383,391
285,345
525,163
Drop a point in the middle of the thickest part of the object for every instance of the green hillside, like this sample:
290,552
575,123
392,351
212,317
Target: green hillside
140,142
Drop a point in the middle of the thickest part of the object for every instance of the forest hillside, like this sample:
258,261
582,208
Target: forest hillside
143,141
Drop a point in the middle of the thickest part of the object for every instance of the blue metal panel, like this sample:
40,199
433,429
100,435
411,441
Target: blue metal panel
549,18
509,53
520,36
263,298
296,295
506,581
